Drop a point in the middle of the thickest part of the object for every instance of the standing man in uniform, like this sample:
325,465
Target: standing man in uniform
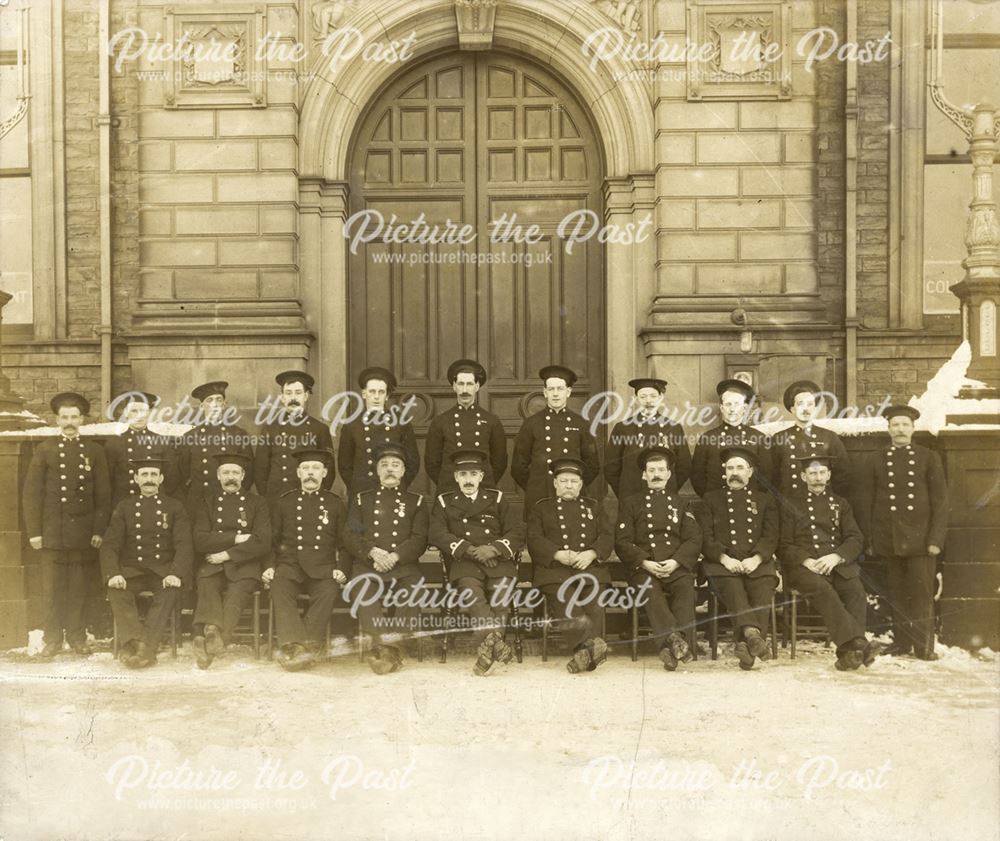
903,512
138,442
476,529
199,446
385,536
740,528
819,549
147,547
554,432
377,426
804,438
465,426
648,427
232,535
658,540
67,502
275,466
308,528
735,398
569,536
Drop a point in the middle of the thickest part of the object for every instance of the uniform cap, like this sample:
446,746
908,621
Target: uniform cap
286,377
653,453
324,456
208,389
648,382
896,411
466,366
376,373
469,459
797,388
735,385
242,459
741,452
560,371
566,465
69,398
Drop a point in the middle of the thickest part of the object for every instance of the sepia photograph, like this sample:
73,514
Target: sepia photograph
574,420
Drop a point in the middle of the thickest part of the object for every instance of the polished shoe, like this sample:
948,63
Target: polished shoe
385,659
128,654
679,646
294,657
849,660
871,651
743,654
146,655
929,656
213,640
756,643
580,661
668,659
485,654
502,650
81,649
50,650
201,656
598,649
897,649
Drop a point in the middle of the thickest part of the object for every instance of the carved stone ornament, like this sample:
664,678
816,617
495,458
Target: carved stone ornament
475,19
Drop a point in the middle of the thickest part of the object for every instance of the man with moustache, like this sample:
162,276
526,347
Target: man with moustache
377,426
552,433
480,536
275,467
819,548
215,434
658,540
385,536
735,399
465,426
739,537
147,547
67,502
569,536
805,438
308,528
903,512
232,533
647,427
139,442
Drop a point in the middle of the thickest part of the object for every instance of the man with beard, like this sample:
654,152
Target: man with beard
658,540
647,427
739,537
553,433
903,512
480,537
735,398
232,531
377,427
199,446
465,426
820,544
386,535
275,466
569,536
67,499
804,438
308,528
147,547
138,442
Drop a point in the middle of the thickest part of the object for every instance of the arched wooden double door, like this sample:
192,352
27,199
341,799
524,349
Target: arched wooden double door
473,139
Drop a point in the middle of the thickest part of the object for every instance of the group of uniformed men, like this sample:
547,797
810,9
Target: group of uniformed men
164,511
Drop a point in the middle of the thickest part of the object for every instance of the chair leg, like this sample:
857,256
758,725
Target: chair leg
270,627
256,626
114,637
173,631
449,615
361,642
545,630
635,634
713,632
774,630
795,622
518,642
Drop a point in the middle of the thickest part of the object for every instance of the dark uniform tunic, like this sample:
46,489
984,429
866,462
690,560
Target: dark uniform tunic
903,509
394,520
218,520
579,524
148,538
796,442
198,468
360,442
658,526
459,523
547,435
67,500
741,523
308,530
463,429
628,438
814,525
135,445
706,466
274,468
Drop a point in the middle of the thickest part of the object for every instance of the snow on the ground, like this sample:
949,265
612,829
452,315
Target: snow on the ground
793,749
106,428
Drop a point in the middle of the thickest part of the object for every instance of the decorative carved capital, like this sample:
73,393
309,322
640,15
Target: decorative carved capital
475,19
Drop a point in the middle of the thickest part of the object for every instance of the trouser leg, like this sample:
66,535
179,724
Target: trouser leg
921,582
759,593
160,611
208,610
237,597
284,602
324,593
56,587
826,598
126,613
661,619
478,610
680,591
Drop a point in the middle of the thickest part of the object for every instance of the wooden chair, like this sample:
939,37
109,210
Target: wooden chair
814,630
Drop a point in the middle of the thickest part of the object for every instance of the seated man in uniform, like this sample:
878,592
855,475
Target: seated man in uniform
147,547
739,537
820,545
570,537
308,526
475,527
386,535
658,540
232,533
